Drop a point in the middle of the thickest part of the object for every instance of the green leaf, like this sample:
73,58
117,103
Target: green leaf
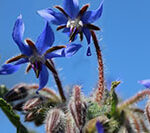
12,116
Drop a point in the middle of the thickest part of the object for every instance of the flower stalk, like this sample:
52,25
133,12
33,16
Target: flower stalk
58,81
100,89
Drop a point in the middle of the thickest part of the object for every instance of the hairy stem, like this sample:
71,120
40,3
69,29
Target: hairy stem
134,99
58,82
100,89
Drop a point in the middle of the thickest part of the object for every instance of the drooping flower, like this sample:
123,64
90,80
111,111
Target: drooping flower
99,127
36,54
145,82
73,20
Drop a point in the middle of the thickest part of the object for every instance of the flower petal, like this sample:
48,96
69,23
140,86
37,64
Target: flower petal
145,82
8,69
45,40
17,35
87,34
71,7
52,16
43,78
99,127
91,16
11,68
70,50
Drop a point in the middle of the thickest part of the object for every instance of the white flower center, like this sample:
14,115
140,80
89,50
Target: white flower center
74,23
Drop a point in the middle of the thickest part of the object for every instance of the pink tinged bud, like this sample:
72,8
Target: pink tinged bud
33,103
30,116
70,127
18,92
55,121
78,108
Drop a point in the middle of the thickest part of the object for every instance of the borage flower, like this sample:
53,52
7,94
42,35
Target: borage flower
73,20
36,55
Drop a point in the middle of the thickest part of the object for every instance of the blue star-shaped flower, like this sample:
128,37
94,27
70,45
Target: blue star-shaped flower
36,55
73,20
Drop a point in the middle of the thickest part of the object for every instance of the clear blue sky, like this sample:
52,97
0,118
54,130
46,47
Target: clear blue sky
125,43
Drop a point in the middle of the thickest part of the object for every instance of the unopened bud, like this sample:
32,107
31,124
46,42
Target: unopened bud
33,103
18,106
55,121
78,107
18,92
30,116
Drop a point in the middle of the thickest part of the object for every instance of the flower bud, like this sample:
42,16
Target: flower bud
55,121
33,103
18,92
30,116
77,108
18,106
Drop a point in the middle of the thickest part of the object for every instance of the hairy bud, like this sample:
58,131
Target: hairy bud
77,108
55,121
18,92
33,103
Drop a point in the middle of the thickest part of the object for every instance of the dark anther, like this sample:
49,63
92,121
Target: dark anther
73,34
31,44
61,27
62,10
55,48
92,27
15,58
83,10
81,36
28,68
37,66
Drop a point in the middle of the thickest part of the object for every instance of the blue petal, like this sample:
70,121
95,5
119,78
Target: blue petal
146,83
70,50
17,35
91,16
87,34
71,7
43,78
10,68
99,127
45,40
52,16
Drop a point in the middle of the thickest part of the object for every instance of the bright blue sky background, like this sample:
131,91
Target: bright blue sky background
125,45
